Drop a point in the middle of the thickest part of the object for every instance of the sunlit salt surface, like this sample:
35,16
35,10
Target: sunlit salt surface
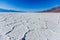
29,26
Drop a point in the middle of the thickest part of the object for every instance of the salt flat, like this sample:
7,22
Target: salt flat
29,26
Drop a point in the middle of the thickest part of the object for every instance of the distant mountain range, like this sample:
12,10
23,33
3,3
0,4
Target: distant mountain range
5,10
55,9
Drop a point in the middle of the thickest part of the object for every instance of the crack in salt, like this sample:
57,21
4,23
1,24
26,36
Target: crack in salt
10,30
25,35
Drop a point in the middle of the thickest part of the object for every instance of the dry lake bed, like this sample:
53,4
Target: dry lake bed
29,26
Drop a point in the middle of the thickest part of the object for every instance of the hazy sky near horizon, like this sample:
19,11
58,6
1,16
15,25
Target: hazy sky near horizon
28,5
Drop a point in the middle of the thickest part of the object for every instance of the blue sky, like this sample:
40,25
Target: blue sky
28,5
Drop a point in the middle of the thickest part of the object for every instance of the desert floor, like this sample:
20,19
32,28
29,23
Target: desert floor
29,26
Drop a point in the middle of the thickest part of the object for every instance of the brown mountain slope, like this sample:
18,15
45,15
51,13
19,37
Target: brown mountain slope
55,9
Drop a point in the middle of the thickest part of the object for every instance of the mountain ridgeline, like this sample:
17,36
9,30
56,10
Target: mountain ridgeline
5,10
55,9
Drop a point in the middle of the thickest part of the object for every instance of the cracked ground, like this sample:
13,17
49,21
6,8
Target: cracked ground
29,26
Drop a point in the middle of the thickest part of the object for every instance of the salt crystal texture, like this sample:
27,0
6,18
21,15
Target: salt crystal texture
29,26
